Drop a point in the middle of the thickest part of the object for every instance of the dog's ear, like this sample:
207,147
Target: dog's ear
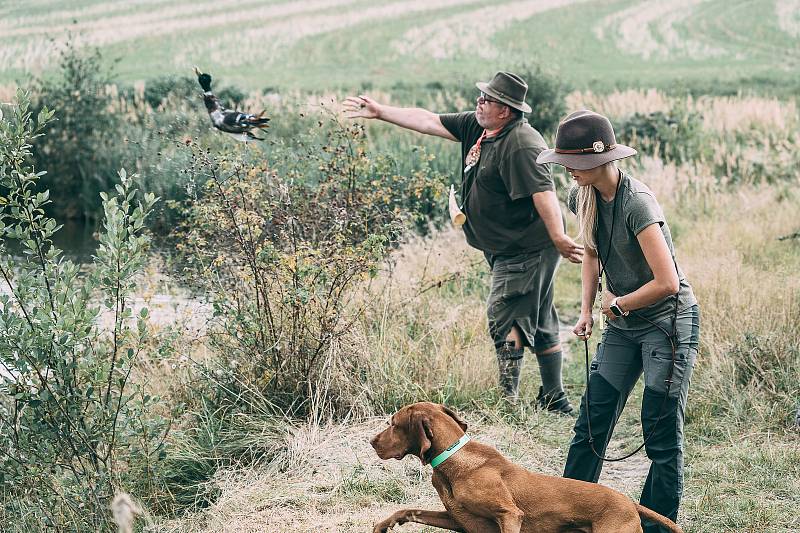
421,431
460,421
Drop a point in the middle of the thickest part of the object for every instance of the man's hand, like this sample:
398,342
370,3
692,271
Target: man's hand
569,249
361,107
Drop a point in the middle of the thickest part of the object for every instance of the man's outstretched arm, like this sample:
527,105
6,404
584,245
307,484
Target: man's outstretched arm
412,118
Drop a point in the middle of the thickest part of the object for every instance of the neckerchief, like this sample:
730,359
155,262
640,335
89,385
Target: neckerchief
474,154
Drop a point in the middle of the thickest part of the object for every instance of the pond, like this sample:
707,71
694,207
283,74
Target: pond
76,239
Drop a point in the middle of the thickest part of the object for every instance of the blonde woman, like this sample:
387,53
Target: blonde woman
652,316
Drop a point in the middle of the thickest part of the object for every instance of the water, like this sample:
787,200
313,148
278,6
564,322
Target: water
168,303
76,239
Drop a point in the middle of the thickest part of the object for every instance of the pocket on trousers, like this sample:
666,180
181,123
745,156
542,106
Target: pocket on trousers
657,362
518,277
597,360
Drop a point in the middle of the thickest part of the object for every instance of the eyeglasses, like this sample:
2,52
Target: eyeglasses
485,99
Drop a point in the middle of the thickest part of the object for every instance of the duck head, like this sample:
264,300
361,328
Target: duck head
203,79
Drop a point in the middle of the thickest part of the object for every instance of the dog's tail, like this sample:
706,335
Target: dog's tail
649,514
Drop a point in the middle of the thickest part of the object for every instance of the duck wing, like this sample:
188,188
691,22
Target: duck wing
237,122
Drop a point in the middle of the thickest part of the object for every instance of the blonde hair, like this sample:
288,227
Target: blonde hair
586,200
587,216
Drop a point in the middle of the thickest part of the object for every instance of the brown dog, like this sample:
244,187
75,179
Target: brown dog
484,492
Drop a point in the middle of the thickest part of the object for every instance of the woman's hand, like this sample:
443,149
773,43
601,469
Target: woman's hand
583,327
608,297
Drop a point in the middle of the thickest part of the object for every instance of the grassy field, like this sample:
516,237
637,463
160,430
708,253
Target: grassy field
318,44
723,165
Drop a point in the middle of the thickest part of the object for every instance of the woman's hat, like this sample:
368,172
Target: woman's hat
585,140
509,89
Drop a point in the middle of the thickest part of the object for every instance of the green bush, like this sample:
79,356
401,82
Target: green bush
80,152
546,94
279,250
72,426
676,136
159,91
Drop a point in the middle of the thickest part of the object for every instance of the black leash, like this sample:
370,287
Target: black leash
671,337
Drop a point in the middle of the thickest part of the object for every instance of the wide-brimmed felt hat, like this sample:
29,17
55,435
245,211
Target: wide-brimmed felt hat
585,140
507,88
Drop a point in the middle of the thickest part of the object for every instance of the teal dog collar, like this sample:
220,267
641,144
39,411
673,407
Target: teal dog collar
442,457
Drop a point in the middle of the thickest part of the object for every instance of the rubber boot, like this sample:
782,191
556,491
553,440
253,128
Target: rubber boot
556,402
509,362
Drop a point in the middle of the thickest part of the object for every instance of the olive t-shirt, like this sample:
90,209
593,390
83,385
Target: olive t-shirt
626,268
496,192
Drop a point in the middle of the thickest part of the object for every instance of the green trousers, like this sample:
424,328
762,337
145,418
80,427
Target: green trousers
622,357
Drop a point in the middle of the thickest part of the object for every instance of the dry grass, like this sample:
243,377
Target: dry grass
331,480
720,114
788,14
747,114
29,46
453,36
736,260
7,93
648,29
429,318
620,103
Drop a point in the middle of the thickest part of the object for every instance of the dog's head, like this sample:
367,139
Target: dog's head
413,428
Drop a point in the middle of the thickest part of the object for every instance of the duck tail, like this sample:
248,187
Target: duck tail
259,122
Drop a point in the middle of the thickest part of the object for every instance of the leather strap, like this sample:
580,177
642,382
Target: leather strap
586,150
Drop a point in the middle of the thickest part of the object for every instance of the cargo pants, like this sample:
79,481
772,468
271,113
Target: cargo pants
622,356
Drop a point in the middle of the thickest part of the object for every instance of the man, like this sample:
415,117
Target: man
513,216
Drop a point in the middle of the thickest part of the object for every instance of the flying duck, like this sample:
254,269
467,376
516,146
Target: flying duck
229,120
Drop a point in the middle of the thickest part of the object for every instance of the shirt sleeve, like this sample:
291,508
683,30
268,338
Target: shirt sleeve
460,125
523,176
643,210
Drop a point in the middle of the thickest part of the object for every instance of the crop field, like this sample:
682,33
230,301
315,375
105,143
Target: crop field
317,44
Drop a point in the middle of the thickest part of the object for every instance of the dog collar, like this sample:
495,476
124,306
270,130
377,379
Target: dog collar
445,455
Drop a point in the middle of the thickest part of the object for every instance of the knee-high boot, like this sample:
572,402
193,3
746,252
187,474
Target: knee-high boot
509,361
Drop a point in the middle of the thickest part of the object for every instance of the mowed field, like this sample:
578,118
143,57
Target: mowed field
319,44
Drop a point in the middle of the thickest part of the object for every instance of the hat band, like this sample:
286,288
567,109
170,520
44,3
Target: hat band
596,149
501,94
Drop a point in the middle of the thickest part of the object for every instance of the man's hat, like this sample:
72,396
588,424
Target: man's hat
585,140
509,89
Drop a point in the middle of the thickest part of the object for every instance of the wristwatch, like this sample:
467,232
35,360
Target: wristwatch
616,310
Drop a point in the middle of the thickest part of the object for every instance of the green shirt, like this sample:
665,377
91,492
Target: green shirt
501,217
625,265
